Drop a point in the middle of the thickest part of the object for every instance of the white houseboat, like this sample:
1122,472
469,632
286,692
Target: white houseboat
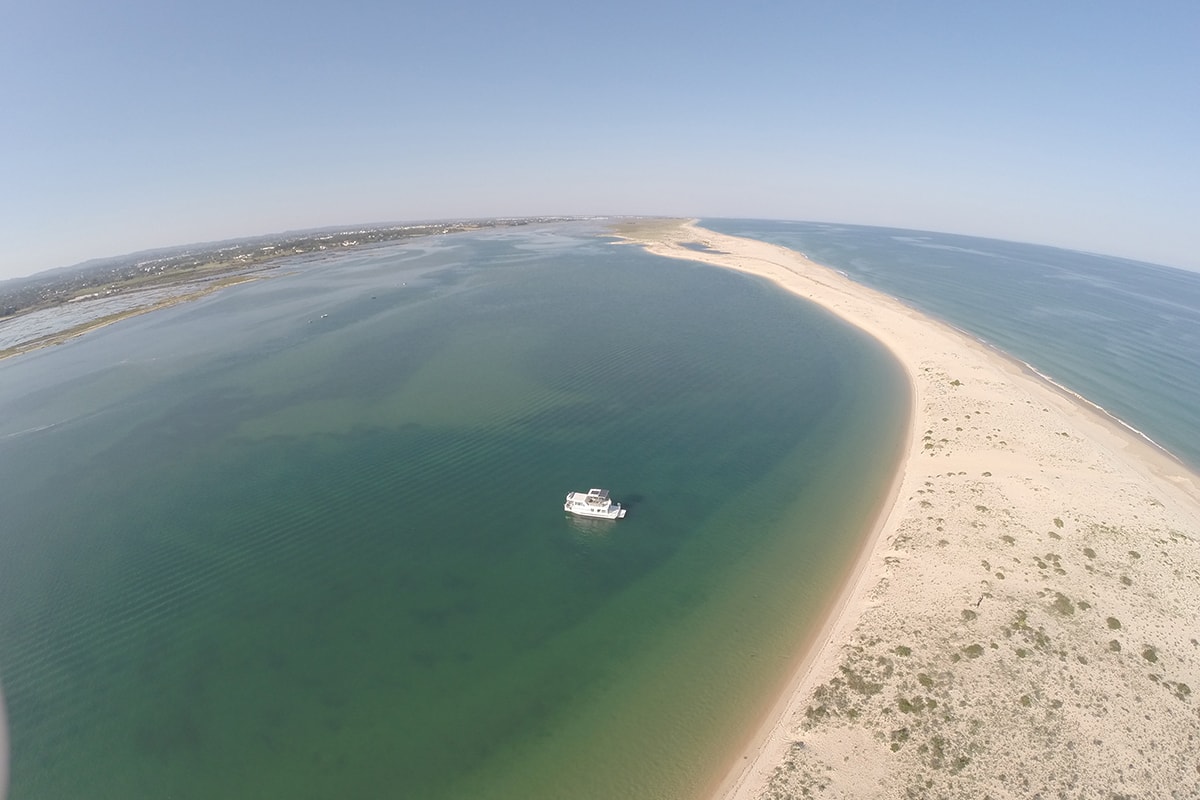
593,504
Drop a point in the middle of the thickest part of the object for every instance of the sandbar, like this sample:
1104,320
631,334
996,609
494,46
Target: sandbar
1023,621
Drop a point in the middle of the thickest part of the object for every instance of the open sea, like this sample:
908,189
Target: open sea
1123,334
303,538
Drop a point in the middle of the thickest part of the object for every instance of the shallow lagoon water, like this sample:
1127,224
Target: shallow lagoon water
304,537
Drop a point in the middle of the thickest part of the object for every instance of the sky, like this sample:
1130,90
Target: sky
134,124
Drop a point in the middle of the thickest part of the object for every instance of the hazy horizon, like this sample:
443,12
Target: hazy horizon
416,222
146,126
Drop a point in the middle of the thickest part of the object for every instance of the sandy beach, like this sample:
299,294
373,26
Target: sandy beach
1023,620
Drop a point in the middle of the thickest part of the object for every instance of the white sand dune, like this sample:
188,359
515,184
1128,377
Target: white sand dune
1025,620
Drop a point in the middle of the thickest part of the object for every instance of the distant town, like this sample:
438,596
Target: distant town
205,262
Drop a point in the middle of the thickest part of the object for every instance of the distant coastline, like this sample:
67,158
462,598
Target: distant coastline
209,266
59,337
1022,620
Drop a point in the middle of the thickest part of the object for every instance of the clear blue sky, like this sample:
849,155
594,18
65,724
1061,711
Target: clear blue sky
133,124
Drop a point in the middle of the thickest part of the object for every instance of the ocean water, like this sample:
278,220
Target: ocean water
304,537
1123,334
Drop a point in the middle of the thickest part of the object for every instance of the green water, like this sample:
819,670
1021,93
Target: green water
304,538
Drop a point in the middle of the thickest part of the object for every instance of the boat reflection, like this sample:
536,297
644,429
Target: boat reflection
587,526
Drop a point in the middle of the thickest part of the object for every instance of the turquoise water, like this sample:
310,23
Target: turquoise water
304,537
1123,334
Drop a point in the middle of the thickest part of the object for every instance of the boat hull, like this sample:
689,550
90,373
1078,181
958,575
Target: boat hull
612,513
